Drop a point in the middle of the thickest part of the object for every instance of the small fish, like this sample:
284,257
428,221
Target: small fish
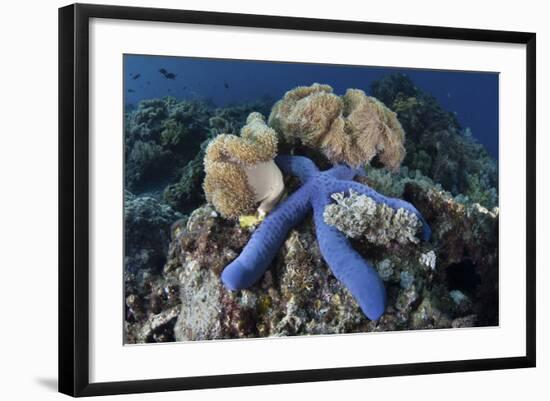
169,90
148,82
184,88
136,76
226,85
163,71
131,90
170,76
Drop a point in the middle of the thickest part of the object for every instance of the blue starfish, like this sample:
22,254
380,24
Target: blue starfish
346,264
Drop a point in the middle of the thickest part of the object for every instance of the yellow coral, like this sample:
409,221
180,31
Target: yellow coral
240,171
352,128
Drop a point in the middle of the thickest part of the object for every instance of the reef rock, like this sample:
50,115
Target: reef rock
449,282
151,301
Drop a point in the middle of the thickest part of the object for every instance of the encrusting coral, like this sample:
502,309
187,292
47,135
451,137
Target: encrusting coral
359,216
240,172
351,129
348,266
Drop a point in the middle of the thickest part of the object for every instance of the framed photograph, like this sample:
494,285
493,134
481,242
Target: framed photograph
251,199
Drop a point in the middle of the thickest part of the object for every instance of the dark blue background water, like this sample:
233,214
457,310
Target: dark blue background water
472,96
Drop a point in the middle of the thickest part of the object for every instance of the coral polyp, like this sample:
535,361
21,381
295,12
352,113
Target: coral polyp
348,266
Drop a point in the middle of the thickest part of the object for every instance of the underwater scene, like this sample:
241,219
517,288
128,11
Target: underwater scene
269,199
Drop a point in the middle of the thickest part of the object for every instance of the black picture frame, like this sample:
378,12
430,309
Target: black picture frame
74,198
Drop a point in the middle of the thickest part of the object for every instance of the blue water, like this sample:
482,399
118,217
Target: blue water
472,96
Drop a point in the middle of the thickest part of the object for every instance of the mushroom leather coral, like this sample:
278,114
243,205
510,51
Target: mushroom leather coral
240,172
347,265
350,129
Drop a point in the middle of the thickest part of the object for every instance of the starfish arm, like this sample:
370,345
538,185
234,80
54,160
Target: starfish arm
394,203
300,166
350,268
266,241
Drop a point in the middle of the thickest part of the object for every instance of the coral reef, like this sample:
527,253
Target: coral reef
240,172
436,144
152,304
299,295
147,224
350,129
160,136
185,195
315,193
452,281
